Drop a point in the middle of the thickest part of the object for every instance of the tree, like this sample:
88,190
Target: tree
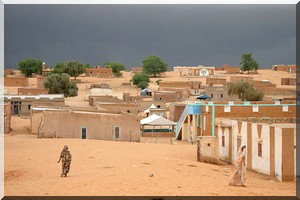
245,91
116,67
138,78
59,68
142,85
73,68
60,84
29,66
248,63
154,65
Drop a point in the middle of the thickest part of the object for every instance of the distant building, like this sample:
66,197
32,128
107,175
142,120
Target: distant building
229,69
84,124
21,104
99,72
136,70
286,68
194,71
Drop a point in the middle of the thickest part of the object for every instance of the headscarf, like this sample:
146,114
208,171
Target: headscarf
240,149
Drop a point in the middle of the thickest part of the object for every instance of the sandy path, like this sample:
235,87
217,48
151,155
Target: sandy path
121,168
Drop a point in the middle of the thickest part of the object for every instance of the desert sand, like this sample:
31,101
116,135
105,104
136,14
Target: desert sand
109,168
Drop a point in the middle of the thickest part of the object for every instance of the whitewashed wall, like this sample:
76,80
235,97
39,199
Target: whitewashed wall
261,164
278,153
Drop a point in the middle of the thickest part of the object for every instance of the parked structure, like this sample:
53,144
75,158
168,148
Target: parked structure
114,125
99,72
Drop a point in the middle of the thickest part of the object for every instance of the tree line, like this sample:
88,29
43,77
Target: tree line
152,66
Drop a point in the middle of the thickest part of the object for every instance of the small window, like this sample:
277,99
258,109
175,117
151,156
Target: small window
212,95
29,106
160,98
223,140
158,106
221,95
259,149
128,111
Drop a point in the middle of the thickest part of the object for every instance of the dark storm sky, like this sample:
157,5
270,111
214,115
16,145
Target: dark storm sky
210,35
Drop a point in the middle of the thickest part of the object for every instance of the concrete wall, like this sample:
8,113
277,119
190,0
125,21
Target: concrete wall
207,149
143,105
43,125
32,91
16,81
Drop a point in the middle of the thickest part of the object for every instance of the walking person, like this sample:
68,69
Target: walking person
238,178
65,157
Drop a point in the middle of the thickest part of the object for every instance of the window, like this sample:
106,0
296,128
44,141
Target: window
83,132
116,132
223,140
158,106
128,111
29,106
221,95
259,149
212,95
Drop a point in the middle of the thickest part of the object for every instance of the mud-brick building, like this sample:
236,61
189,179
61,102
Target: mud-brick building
285,68
72,123
16,81
99,72
131,108
21,104
32,91
194,71
215,81
189,87
288,81
136,70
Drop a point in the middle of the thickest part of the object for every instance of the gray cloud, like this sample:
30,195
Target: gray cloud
180,34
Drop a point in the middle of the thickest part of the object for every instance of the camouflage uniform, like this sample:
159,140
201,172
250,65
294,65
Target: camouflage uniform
66,158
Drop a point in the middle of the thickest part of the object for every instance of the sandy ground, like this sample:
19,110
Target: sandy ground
101,168
104,168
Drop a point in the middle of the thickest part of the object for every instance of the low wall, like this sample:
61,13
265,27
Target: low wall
32,91
208,149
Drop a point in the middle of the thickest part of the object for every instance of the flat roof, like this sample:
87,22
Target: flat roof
49,96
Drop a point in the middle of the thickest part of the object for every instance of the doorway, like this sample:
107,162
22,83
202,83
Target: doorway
83,132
